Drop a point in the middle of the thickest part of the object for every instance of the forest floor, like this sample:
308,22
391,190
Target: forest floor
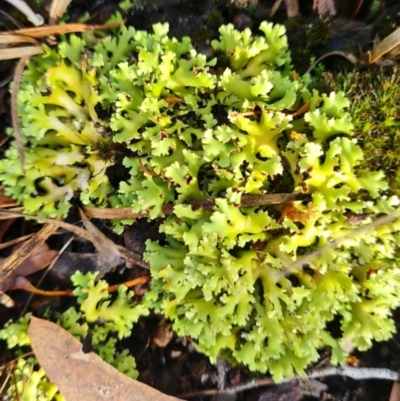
177,369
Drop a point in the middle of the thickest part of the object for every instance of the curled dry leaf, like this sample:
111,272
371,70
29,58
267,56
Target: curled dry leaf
106,248
384,47
83,376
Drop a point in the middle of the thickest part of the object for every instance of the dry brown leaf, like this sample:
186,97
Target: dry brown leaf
395,392
9,265
57,10
6,201
387,44
43,31
4,226
38,260
83,376
294,214
18,52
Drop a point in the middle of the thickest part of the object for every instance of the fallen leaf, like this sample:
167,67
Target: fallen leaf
80,376
10,264
295,215
388,44
38,260
395,392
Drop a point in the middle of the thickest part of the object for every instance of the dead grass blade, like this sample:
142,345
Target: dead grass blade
57,10
43,31
19,69
387,44
130,257
22,253
23,51
12,38
15,241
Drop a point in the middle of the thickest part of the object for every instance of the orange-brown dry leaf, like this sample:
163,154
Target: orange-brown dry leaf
294,214
80,376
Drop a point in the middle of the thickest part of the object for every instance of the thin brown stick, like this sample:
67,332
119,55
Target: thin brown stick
44,31
205,204
345,371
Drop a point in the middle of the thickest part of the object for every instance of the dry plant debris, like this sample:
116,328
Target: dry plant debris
64,361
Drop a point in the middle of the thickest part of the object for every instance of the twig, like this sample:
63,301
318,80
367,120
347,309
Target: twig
348,56
205,204
346,371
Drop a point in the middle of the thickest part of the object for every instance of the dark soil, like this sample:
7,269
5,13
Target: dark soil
164,361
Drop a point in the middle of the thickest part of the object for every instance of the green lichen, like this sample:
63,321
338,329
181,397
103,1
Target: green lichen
195,128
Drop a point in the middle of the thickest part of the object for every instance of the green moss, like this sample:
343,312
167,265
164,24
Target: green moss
374,98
